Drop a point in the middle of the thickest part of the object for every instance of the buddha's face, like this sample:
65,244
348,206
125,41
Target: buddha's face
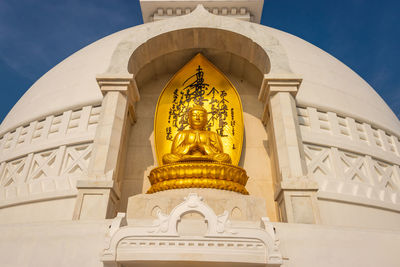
197,119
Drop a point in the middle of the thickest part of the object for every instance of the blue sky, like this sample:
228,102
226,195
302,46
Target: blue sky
36,35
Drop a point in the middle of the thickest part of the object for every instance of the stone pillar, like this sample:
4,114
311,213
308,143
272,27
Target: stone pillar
295,191
99,193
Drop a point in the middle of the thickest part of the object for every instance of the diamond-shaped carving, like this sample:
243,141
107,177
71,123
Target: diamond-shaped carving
76,159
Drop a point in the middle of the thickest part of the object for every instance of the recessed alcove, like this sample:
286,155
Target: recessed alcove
200,39
151,79
225,61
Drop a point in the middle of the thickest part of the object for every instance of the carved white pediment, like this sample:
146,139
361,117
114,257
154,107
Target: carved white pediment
160,241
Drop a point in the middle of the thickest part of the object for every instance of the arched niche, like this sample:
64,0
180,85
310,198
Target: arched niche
212,42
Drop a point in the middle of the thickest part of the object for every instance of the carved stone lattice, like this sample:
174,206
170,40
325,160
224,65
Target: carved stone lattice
13,172
44,164
318,160
50,171
353,174
76,159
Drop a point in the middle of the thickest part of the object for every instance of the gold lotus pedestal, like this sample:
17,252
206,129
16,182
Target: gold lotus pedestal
198,174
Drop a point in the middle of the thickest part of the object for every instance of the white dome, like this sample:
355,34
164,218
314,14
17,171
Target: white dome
327,84
326,163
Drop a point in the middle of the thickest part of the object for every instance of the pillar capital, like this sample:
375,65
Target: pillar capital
123,83
275,83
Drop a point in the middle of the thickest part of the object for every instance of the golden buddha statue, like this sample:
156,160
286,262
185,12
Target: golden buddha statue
197,160
196,144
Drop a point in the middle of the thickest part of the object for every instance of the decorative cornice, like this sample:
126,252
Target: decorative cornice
154,10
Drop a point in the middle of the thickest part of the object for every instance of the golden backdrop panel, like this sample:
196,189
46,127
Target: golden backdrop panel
199,82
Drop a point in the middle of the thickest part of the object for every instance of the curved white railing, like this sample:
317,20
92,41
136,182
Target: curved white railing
44,158
351,159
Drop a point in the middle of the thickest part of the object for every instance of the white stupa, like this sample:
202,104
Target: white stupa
321,149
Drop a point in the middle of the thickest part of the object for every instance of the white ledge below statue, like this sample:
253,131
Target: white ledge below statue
191,228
